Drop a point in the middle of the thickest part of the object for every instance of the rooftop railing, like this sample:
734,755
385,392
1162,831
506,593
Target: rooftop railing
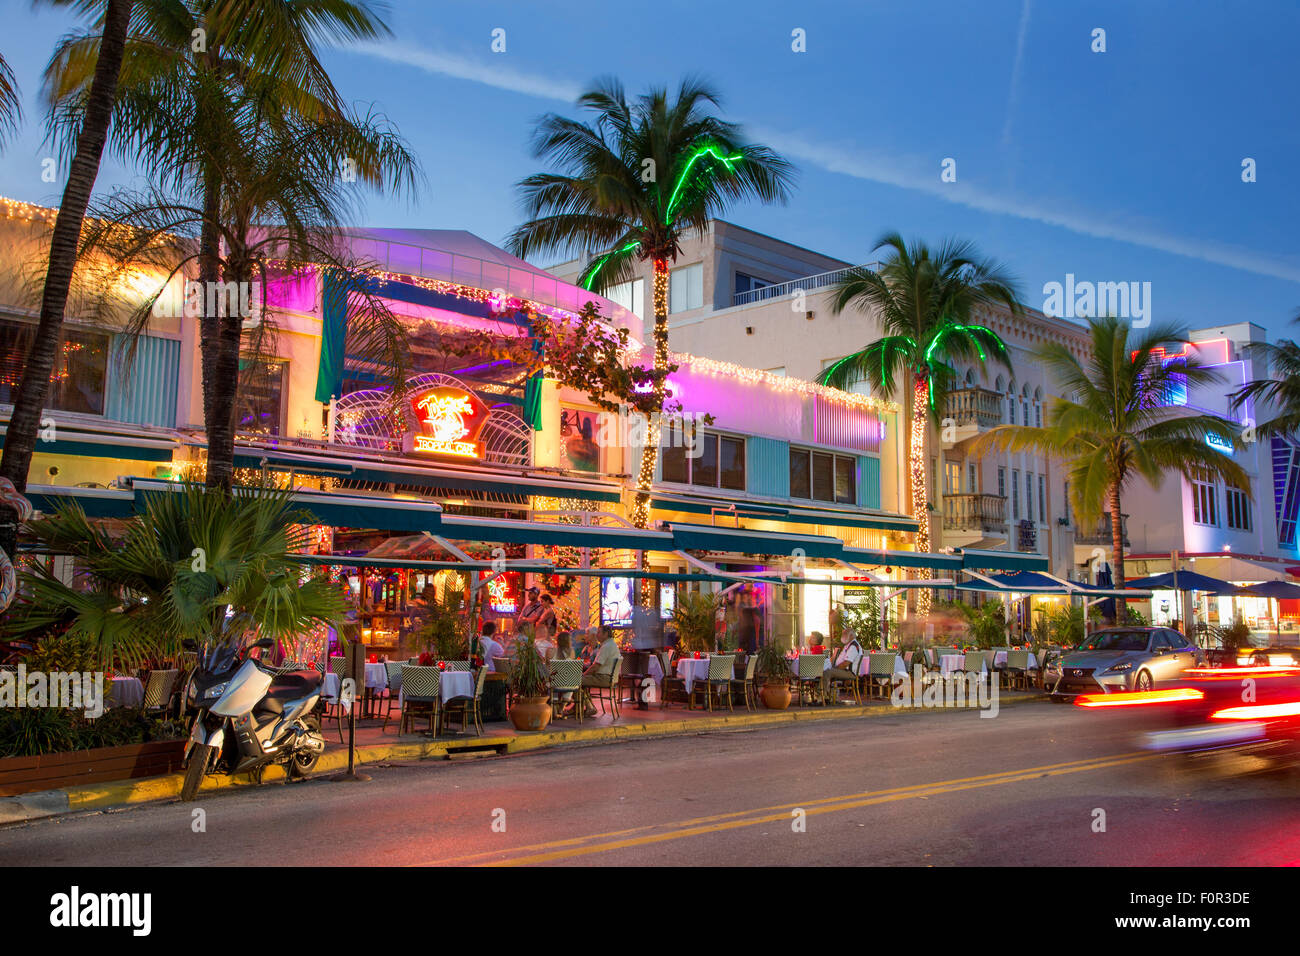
807,283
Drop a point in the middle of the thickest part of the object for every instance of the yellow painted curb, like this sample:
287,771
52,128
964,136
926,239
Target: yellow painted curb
125,792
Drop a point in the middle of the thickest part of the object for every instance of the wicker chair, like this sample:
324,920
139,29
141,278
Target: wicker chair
672,683
566,678
722,671
880,673
506,666
808,676
394,671
421,694
607,689
835,686
468,708
1017,670
159,686
455,665
746,684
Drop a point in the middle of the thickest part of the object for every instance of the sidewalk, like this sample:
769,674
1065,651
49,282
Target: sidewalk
375,747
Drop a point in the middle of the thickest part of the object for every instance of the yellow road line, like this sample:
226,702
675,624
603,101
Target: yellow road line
781,811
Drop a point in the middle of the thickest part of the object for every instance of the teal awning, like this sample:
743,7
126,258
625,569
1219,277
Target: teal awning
111,446
95,502
697,537
903,559
429,476
464,528
790,514
1003,560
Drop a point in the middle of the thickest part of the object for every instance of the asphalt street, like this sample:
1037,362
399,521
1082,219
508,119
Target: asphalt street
1038,785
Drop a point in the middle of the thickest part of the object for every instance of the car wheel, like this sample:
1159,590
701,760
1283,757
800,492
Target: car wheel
1143,682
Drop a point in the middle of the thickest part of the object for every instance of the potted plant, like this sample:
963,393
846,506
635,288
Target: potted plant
530,683
694,617
774,671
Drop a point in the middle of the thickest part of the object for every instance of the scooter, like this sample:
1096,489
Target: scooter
269,713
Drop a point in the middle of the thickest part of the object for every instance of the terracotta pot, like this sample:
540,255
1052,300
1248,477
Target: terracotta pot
531,713
775,696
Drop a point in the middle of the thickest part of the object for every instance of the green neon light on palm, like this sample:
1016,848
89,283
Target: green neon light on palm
600,262
709,149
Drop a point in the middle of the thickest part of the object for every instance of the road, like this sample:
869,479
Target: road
939,788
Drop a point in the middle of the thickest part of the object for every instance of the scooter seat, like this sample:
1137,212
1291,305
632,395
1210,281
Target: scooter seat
294,684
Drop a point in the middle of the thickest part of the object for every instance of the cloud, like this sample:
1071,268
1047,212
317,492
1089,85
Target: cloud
910,173
490,73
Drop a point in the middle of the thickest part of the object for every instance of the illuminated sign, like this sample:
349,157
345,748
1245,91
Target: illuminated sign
449,421
502,593
1218,443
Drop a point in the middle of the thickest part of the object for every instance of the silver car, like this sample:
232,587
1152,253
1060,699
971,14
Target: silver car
1122,659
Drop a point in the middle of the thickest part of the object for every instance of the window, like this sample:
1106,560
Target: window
1024,412
951,477
748,283
259,406
1236,508
1042,501
1204,502
1038,414
1011,409
780,370
1065,500
1015,493
1029,495
719,462
1002,482
80,367
822,476
972,479
630,295
686,288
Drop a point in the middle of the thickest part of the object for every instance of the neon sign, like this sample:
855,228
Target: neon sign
449,421
1219,443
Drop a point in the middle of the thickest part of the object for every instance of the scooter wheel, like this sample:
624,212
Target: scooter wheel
198,766
304,762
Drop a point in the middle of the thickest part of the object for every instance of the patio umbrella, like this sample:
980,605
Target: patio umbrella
1104,580
1277,591
1187,581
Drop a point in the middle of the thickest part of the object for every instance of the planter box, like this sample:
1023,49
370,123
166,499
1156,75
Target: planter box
84,767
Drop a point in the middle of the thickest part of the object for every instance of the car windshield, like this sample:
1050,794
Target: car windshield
1116,641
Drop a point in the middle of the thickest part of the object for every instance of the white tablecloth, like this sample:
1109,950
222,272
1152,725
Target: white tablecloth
126,692
951,663
376,679
864,667
1000,659
456,684
655,670
690,670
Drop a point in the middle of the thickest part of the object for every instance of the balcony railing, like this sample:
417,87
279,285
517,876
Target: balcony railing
982,513
1101,533
974,406
807,283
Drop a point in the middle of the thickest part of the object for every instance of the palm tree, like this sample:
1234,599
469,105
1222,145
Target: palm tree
1281,389
91,132
280,201
11,110
202,59
925,303
630,186
1123,422
143,592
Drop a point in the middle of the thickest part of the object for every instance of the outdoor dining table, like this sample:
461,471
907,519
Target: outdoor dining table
1000,659
952,664
655,669
126,692
376,679
691,669
864,665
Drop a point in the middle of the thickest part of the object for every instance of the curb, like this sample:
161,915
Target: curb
47,803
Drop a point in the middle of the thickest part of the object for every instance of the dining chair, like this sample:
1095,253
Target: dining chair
607,689
159,686
722,671
469,708
1017,669
393,670
421,694
672,683
455,665
808,676
746,683
566,678
881,674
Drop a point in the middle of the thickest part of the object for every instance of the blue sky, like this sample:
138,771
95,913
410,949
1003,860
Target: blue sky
1115,166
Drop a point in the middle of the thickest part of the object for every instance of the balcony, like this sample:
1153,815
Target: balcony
806,284
1100,534
974,409
984,514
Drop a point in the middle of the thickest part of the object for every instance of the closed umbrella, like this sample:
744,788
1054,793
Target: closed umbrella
1108,609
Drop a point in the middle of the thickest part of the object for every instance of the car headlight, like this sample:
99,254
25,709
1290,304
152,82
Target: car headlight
216,690
1120,667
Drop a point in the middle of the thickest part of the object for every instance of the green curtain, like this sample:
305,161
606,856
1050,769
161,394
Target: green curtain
334,334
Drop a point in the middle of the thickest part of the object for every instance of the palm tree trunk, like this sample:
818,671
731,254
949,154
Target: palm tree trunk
209,268
650,451
220,425
917,468
24,424
1117,552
